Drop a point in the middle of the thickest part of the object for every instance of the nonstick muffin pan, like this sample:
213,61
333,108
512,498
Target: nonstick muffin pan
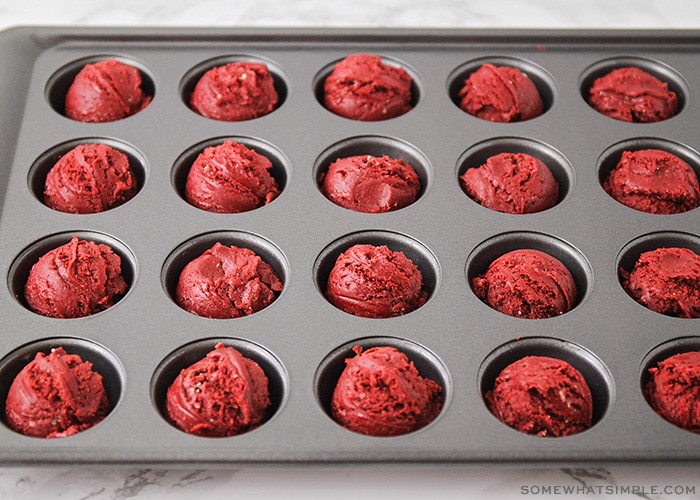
301,340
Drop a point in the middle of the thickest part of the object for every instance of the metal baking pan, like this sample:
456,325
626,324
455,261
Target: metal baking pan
301,339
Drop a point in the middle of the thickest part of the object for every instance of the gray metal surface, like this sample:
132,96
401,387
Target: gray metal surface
301,338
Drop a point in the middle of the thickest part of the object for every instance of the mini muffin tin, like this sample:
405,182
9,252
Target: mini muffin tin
301,340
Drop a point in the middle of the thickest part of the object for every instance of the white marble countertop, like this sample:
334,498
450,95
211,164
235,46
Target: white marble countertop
358,13
350,482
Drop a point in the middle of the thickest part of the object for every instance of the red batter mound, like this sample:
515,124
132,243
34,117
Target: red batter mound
361,87
673,390
381,393
56,395
74,280
500,94
375,282
104,92
542,396
371,184
235,92
527,284
633,95
221,395
227,282
667,281
88,179
230,178
514,183
654,181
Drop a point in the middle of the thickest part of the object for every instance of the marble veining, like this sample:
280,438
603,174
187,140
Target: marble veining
97,483
409,13
350,482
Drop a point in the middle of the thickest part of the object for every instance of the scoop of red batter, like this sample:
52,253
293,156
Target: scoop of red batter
381,393
375,282
227,282
230,178
673,390
633,95
362,87
75,280
235,92
542,396
500,94
371,184
105,91
527,284
223,394
654,181
667,281
56,395
514,183
90,178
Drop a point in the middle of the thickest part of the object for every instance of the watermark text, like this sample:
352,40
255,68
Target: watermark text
609,489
